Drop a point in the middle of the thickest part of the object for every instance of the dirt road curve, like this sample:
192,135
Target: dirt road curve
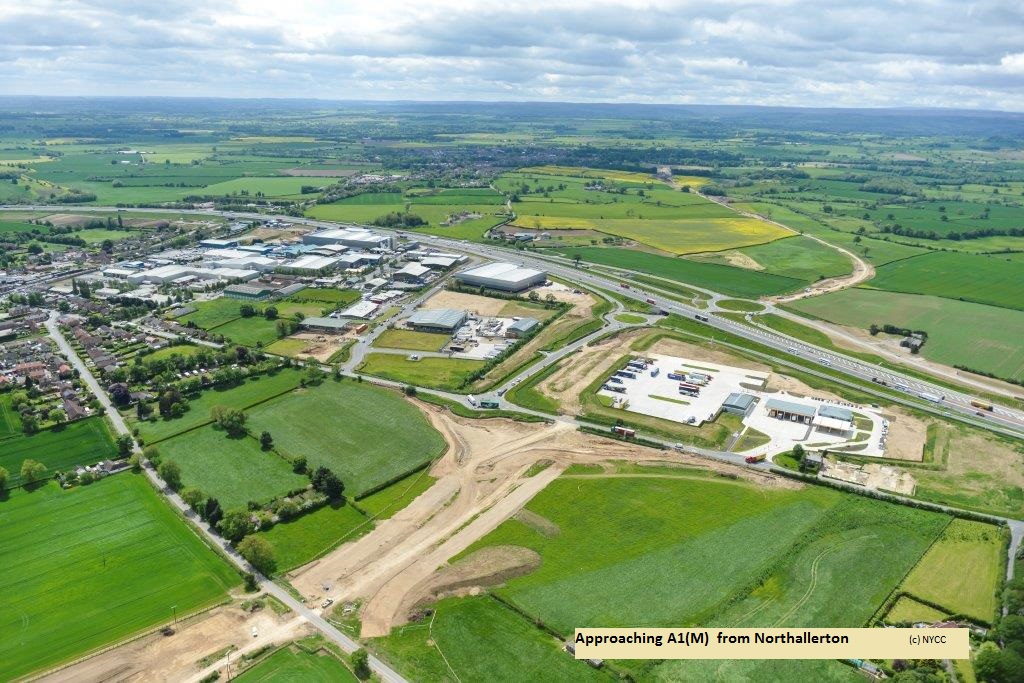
481,483
862,271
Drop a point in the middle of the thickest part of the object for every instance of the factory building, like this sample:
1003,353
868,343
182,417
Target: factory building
355,238
249,292
445,320
502,276
325,325
412,272
309,263
176,273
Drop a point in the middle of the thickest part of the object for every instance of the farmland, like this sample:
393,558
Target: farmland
435,373
234,471
963,571
292,663
994,280
300,540
72,546
725,279
478,639
991,342
366,434
84,442
414,341
252,391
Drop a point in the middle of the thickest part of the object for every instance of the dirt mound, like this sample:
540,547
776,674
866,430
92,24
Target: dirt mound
538,523
485,567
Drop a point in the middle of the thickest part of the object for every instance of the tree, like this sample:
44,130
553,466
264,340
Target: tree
136,462
246,310
211,512
235,524
270,313
231,420
120,394
170,473
266,441
125,443
152,454
3,478
193,497
360,662
56,415
29,423
107,246
299,465
328,483
258,552
409,390
32,471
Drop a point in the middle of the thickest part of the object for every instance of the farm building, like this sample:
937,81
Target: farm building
739,404
411,272
437,320
789,410
325,325
506,277
248,292
522,327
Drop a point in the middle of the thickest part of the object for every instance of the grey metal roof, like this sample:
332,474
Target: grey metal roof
738,400
438,317
524,324
790,407
329,323
836,413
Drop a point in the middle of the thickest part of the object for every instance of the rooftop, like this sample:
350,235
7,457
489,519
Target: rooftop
501,270
836,413
438,317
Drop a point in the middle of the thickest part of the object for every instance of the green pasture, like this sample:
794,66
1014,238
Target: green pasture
478,639
982,337
210,314
232,470
412,340
326,295
293,664
435,373
249,331
83,442
250,392
366,434
74,547
305,538
995,280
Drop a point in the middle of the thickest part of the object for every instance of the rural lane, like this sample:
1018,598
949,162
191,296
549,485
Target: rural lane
386,673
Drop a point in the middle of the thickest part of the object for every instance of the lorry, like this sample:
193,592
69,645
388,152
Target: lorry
934,398
624,431
625,373
702,318
614,387
676,376
472,400
981,404
751,459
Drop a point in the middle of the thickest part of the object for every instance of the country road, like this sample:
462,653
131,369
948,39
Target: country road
386,673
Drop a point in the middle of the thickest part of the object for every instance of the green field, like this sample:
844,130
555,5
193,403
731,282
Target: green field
210,314
801,258
448,374
249,331
249,393
234,471
963,571
326,295
294,665
911,611
725,279
298,541
478,639
183,350
411,340
740,305
687,549
83,442
994,280
10,422
959,333
389,500
366,434
95,564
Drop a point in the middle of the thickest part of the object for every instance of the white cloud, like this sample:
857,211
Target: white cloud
860,52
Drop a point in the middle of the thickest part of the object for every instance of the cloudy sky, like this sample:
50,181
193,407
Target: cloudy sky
950,53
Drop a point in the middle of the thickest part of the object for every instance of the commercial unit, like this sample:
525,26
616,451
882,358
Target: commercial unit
249,262
834,419
520,328
361,309
309,263
789,410
502,276
218,244
325,325
445,320
182,273
358,260
441,262
411,272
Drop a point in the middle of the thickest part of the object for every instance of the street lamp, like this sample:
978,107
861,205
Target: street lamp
174,614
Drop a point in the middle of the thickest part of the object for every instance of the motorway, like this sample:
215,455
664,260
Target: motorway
346,643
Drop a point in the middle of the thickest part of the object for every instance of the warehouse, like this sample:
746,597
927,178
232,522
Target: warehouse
359,239
789,410
360,309
437,320
175,273
739,404
440,262
502,276
248,292
218,244
411,272
325,325
310,263
522,327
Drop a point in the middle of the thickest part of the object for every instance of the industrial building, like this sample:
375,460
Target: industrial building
411,272
355,238
502,276
218,244
522,327
180,273
360,309
325,325
834,419
739,404
445,320
309,263
249,292
789,410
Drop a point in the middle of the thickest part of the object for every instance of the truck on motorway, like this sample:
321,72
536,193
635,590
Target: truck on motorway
981,404
934,398
702,318
751,459
623,285
624,431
